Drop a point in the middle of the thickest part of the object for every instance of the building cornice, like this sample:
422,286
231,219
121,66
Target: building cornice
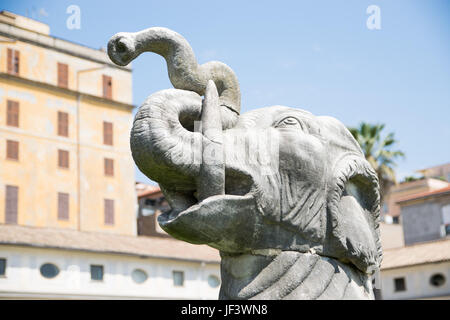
57,44
47,86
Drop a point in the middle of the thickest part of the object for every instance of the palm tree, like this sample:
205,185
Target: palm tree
378,153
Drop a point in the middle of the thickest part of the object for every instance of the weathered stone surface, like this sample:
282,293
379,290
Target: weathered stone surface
287,197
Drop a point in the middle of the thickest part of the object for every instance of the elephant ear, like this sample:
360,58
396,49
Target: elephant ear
354,209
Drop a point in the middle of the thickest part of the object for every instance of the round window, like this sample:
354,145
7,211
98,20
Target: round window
139,276
49,270
437,280
213,281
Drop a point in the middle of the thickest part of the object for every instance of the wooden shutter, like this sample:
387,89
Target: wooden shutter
10,60
12,150
107,87
107,133
109,211
16,62
12,114
63,206
63,159
11,204
109,167
63,124
13,57
63,75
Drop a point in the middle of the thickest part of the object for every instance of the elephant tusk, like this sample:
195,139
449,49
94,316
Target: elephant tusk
211,179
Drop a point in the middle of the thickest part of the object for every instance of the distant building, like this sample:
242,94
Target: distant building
68,204
419,271
421,268
391,235
390,210
65,118
151,203
426,216
46,263
438,172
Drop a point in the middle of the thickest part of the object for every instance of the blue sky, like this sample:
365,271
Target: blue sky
314,55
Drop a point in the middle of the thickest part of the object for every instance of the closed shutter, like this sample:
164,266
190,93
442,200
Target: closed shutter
107,87
63,124
10,60
16,62
109,211
63,206
63,159
12,114
107,133
13,57
63,75
109,167
11,204
12,150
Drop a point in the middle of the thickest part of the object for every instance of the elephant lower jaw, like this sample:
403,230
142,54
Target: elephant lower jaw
221,221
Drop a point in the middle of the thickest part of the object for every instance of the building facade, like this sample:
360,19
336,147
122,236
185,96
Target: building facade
426,216
68,205
46,263
419,271
65,118
151,203
390,210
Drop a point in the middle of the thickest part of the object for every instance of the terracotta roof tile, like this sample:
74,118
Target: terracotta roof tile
106,243
421,253
425,194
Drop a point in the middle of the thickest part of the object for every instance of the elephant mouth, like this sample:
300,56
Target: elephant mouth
209,205
209,220
218,195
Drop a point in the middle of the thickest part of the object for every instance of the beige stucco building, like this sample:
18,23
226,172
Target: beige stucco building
65,118
68,202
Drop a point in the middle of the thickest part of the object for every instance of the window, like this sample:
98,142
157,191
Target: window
63,71
2,267
395,220
12,150
63,159
437,280
63,124
11,204
178,278
139,276
213,281
12,114
109,211
109,167
446,219
49,270
399,284
107,133
96,272
63,206
107,87
13,61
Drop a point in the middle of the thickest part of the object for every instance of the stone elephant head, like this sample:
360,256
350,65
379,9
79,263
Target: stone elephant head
275,178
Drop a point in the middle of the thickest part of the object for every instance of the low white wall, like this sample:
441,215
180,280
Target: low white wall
417,279
23,278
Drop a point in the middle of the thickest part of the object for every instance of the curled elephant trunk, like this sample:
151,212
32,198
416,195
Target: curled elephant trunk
163,142
184,71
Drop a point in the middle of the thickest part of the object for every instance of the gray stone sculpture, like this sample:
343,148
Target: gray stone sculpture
287,197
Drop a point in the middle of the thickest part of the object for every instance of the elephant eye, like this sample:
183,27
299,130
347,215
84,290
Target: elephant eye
291,122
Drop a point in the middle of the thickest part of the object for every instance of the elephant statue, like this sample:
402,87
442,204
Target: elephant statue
286,197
